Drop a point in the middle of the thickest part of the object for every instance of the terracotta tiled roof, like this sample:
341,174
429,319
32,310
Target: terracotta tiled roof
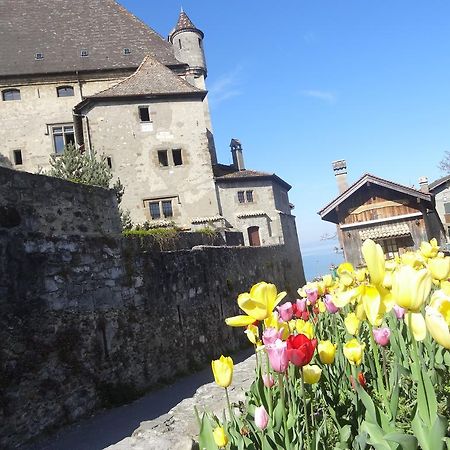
385,231
184,24
151,78
252,174
60,29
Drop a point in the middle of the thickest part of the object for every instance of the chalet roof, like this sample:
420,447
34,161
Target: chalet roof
372,179
150,79
61,29
184,24
249,175
435,184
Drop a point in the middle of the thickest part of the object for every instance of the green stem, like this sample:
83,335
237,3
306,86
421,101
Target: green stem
305,410
269,390
283,404
376,358
229,405
383,354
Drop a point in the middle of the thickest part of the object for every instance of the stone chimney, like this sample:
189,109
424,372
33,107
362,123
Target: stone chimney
423,185
236,152
340,172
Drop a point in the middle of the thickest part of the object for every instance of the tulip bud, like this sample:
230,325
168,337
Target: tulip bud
270,335
278,356
261,417
311,374
268,380
220,437
354,352
331,307
439,268
301,305
286,311
382,336
399,312
410,287
223,371
327,352
352,323
374,257
312,295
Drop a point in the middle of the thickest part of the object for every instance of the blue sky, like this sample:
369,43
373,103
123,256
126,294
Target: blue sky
304,83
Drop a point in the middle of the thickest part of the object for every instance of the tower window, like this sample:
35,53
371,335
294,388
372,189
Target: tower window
63,135
126,51
11,94
154,210
144,114
177,158
109,161
84,53
162,158
65,91
249,196
199,42
18,157
179,43
38,56
167,208
241,197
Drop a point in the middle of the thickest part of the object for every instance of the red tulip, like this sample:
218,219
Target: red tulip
300,349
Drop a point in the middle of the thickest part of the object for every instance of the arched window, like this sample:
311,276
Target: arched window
10,94
64,91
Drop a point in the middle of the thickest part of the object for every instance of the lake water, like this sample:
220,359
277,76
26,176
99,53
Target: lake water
318,259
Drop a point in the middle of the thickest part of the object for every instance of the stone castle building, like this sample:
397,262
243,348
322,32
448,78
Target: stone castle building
91,73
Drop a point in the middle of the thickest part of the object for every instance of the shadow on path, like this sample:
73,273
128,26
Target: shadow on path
111,426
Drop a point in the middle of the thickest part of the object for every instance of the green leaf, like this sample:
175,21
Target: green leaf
206,438
430,438
406,441
376,435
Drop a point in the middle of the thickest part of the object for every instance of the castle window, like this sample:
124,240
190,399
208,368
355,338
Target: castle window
154,210
17,154
10,94
64,91
63,135
38,56
241,197
199,42
249,196
144,114
179,43
162,158
167,208
84,53
176,155
109,161
126,51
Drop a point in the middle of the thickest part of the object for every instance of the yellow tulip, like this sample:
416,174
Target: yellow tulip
437,318
429,250
311,374
346,274
413,259
418,327
223,370
321,306
220,437
361,275
352,323
258,304
273,322
445,287
305,328
343,298
439,268
410,287
373,305
327,280
252,333
327,352
354,352
359,311
374,257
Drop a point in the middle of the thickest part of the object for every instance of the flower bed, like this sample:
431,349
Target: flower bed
359,361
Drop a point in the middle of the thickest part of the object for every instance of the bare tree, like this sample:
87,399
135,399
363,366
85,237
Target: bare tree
444,165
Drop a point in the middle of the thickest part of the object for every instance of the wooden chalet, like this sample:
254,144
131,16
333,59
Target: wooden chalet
397,217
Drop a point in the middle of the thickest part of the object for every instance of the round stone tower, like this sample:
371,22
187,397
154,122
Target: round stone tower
187,41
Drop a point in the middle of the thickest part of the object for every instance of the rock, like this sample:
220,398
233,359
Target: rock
178,429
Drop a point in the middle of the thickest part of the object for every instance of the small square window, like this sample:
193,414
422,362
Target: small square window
38,56
144,114
249,196
177,158
18,157
64,91
155,212
167,208
241,197
10,95
162,158
127,51
84,53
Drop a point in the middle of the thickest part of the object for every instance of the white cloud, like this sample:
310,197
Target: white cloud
225,87
326,96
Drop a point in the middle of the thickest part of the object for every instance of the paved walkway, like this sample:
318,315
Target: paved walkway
108,427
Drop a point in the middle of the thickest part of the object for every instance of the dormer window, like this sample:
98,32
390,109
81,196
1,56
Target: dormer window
10,95
65,91
84,53
127,51
38,56
144,114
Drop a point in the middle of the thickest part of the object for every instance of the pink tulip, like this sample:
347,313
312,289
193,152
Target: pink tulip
268,380
286,311
261,417
381,336
270,335
301,305
312,295
399,312
278,356
331,307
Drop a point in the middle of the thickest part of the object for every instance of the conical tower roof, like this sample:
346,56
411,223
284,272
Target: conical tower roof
184,24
